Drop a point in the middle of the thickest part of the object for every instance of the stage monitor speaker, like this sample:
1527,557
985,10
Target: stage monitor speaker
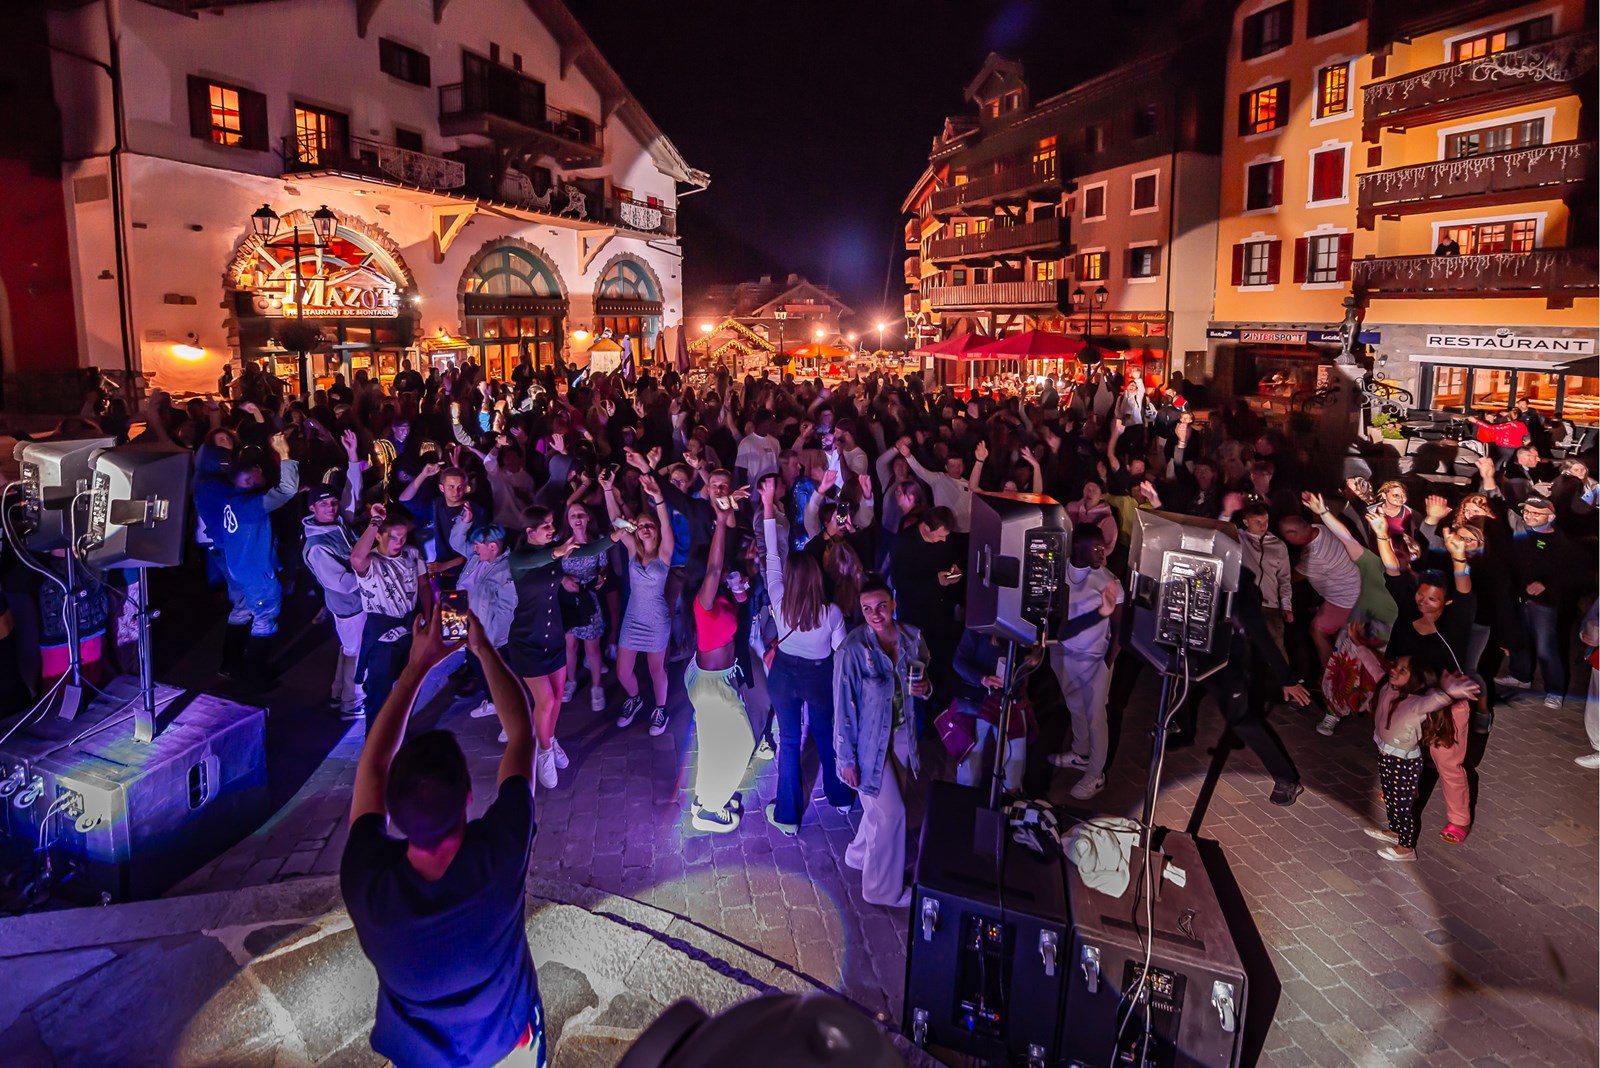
1194,994
130,819
138,507
1183,574
984,971
53,473
1017,566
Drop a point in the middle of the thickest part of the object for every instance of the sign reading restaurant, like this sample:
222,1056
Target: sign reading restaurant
1505,341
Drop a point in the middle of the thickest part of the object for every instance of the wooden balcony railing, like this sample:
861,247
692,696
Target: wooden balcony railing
1524,173
1012,181
913,233
998,294
482,107
643,216
1041,233
1518,75
913,270
374,159
1546,272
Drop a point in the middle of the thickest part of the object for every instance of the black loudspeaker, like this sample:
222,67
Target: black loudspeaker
1193,997
1183,573
984,964
138,507
1017,566
52,475
127,819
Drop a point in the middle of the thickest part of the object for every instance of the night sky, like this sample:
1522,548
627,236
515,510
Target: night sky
814,119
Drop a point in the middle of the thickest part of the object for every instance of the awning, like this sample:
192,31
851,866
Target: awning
626,306
483,304
1548,363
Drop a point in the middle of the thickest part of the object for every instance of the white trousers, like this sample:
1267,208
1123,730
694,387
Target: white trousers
345,690
1085,685
879,848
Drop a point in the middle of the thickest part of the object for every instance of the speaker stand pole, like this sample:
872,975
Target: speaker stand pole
1158,748
989,832
144,716
72,690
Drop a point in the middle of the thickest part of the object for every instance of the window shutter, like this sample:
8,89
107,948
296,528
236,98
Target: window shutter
386,56
199,108
424,71
253,120
1244,114
1275,183
1274,261
1347,245
339,133
1238,265
1302,249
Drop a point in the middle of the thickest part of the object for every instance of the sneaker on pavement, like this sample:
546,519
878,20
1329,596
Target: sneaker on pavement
597,699
630,710
1382,835
1392,853
658,721
764,750
1588,760
789,829
1329,722
1087,787
1511,682
720,821
1553,700
484,710
545,768
502,739
1068,760
1284,793
568,691
560,755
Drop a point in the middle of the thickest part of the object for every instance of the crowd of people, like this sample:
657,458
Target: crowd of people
794,555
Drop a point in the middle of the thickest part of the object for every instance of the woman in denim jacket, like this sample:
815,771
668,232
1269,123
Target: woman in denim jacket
874,734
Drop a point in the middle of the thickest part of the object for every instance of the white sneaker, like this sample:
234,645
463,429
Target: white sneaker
502,739
483,711
1553,700
1511,682
1325,728
568,691
560,755
597,699
1068,760
1588,760
1088,787
544,764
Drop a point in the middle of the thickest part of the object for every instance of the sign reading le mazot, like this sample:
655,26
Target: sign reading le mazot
1504,341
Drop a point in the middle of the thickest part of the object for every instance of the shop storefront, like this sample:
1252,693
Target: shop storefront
627,304
1127,341
1275,370
1464,370
512,303
343,298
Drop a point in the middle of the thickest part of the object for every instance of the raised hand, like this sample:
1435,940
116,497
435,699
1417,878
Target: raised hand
1436,508
651,487
466,513
1314,502
865,482
428,644
1379,523
1028,457
1485,468
429,470
607,479
982,451
1455,544
280,445
769,493
378,512
352,445
829,480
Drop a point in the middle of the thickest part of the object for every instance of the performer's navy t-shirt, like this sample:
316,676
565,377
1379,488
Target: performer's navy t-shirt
456,986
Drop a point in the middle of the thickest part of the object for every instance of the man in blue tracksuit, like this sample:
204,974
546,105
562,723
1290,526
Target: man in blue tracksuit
236,511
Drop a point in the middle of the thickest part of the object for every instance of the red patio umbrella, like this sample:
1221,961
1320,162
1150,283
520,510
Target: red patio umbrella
955,347
1030,345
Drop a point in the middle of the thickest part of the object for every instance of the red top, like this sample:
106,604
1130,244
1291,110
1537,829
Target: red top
716,626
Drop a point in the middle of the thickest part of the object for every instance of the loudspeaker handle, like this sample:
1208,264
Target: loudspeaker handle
986,566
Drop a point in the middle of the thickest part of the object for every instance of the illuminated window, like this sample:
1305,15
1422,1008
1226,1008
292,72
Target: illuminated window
319,136
1333,90
1044,157
981,226
1515,235
227,123
1044,271
1092,267
1264,109
1503,39
958,230
1526,134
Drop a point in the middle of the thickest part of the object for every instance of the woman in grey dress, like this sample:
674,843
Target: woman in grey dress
583,575
647,622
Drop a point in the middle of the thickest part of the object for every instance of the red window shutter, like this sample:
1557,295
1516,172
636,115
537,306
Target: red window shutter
253,120
1347,245
1302,249
1275,193
199,108
1274,261
1238,265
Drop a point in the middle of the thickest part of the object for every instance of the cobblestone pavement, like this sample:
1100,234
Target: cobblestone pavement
1483,954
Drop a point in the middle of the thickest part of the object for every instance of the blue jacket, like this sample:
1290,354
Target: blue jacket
863,702
238,519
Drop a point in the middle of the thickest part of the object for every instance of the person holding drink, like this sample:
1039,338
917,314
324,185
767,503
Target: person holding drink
877,673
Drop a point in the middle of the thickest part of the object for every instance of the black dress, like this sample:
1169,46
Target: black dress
537,644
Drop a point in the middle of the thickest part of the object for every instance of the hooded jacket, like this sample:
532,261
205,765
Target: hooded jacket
238,519
1267,557
327,553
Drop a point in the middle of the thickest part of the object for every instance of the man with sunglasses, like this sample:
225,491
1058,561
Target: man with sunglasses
1544,562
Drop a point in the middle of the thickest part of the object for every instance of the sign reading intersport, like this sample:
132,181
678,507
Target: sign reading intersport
1507,342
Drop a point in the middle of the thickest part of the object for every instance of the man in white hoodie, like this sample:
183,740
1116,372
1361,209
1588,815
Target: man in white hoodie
326,551
1267,557
1083,655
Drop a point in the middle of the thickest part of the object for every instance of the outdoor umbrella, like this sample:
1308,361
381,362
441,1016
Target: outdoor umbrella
681,357
1030,345
955,347
818,352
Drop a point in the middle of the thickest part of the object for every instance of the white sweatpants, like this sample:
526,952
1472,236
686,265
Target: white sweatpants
1085,685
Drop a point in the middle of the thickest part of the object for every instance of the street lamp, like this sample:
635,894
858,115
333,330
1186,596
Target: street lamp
264,222
1080,302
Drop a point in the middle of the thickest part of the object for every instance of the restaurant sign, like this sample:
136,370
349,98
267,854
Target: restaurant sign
352,291
1506,341
348,274
1288,337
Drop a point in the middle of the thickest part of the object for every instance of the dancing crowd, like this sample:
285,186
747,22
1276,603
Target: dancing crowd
794,557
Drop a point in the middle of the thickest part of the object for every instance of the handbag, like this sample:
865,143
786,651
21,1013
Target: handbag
770,654
956,732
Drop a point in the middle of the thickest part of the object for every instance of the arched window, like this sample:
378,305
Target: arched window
628,280
628,304
513,305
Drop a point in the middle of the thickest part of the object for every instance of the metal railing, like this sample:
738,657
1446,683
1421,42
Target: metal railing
374,159
470,98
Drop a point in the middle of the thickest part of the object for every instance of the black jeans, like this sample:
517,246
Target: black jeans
795,684
381,662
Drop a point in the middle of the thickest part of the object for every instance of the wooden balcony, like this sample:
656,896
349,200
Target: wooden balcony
480,108
911,303
1546,172
1013,183
1546,273
913,234
913,270
997,240
1000,295
1517,76
363,158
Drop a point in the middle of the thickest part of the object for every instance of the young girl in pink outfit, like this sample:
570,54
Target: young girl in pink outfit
1413,710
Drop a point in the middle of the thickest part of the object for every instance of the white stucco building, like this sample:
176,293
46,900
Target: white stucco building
492,186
